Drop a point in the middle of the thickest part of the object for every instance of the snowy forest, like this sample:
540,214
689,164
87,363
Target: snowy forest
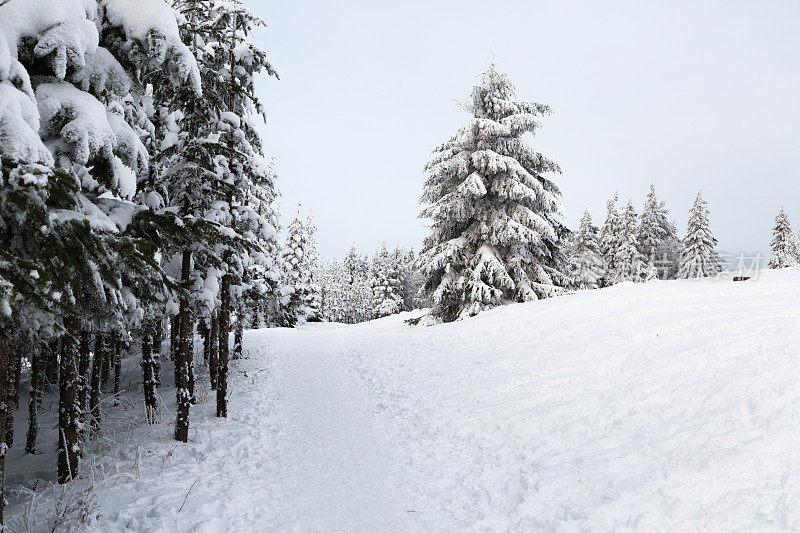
143,245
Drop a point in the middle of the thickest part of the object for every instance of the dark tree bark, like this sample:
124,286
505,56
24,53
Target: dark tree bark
174,337
237,338
148,378
224,336
213,349
23,347
12,392
94,394
119,345
190,366
183,355
83,370
52,362
158,336
205,332
108,354
3,411
34,401
69,410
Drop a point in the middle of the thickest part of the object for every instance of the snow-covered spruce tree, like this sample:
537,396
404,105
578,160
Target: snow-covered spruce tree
657,239
299,256
585,260
699,258
331,280
263,274
357,288
410,278
783,243
211,170
610,240
628,263
315,297
496,219
386,284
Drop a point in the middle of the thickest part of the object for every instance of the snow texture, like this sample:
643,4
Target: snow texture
669,405
138,18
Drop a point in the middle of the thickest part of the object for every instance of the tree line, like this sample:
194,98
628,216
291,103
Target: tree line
137,206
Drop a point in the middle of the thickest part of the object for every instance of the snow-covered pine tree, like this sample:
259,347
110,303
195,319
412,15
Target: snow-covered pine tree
331,278
699,258
610,240
585,260
783,243
264,273
628,264
497,220
797,246
657,239
410,278
386,284
212,170
298,256
357,288
312,258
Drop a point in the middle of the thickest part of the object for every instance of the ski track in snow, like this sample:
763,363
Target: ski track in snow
664,406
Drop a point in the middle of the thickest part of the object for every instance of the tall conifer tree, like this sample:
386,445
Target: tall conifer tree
497,228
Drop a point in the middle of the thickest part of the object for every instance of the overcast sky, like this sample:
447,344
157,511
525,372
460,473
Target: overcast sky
685,95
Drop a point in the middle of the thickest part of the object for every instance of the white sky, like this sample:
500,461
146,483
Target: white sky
682,94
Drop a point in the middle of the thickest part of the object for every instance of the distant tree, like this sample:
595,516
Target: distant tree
610,240
699,258
783,243
387,286
657,238
299,255
585,260
497,225
411,279
628,262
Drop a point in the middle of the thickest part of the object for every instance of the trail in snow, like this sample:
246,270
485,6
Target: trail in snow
342,471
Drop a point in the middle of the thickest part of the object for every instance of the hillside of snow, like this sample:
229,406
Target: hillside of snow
672,404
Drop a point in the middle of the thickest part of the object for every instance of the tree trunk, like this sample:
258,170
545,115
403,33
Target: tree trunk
118,346
190,366
205,332
174,336
37,376
12,394
148,378
3,407
108,354
68,408
183,355
158,336
224,335
83,370
213,349
52,362
94,394
237,337
22,347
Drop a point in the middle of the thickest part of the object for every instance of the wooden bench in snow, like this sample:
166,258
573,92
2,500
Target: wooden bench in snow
741,278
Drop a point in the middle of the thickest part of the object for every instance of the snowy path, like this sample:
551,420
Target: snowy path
342,471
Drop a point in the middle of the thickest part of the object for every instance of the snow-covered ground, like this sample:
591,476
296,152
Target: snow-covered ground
650,407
